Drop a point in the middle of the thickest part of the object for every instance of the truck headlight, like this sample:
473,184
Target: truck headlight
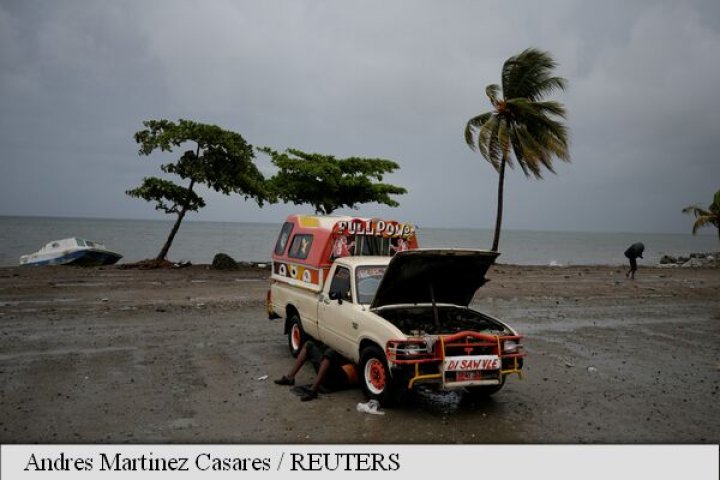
414,348
408,348
511,346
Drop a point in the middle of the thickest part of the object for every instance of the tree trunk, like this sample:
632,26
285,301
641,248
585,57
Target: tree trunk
163,253
498,217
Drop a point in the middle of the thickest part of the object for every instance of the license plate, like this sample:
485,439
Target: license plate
467,376
471,362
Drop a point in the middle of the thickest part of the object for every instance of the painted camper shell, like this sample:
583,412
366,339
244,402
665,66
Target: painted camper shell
308,244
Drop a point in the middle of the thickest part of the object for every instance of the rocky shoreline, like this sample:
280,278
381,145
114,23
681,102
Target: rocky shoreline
703,260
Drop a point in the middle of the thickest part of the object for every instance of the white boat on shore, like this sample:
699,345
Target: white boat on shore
71,251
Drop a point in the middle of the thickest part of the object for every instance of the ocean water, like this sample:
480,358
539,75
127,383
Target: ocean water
198,241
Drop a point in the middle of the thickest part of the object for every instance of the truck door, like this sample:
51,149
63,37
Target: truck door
336,315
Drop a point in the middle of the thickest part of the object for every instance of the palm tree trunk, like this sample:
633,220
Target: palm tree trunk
498,216
163,253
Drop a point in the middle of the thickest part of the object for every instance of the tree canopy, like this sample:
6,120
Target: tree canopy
220,159
521,124
328,183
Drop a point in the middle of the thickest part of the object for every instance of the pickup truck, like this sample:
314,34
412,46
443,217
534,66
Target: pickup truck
404,320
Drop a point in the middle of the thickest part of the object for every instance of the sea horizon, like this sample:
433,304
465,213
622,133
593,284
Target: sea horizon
703,233
199,240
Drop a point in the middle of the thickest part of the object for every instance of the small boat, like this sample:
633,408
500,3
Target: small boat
71,251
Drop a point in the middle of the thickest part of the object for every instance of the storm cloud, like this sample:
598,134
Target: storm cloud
395,80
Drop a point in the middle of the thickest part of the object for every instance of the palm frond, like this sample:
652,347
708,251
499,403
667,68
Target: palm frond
550,107
704,217
492,91
517,149
551,138
528,75
550,133
521,155
532,152
696,210
473,125
550,85
483,136
699,223
523,107
493,144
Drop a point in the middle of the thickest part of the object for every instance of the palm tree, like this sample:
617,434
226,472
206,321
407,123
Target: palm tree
521,124
704,218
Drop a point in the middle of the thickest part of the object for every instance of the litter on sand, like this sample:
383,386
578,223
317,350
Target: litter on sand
264,377
373,407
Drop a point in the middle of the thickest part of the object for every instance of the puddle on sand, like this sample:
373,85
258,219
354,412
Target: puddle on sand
438,401
450,402
16,303
458,417
82,284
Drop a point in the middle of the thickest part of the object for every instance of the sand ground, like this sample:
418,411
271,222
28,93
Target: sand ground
174,356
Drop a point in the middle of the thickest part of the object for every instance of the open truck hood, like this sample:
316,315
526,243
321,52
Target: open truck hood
440,275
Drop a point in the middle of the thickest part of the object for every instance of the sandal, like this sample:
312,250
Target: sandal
285,381
311,395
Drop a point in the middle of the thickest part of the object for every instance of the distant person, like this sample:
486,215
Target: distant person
634,252
334,372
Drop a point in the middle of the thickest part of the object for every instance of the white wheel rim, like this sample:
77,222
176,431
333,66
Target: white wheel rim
375,376
295,336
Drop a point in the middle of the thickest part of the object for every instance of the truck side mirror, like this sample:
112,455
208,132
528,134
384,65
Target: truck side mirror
335,295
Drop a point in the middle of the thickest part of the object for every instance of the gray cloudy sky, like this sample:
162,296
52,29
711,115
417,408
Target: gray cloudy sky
392,79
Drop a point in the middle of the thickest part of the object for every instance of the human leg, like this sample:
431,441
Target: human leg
323,369
300,360
331,375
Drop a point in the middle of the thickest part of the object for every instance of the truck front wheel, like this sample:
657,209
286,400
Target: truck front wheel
375,376
296,335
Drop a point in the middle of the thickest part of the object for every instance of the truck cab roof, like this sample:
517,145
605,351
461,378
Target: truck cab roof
353,262
308,245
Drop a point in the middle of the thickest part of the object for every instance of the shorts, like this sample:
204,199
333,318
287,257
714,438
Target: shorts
336,377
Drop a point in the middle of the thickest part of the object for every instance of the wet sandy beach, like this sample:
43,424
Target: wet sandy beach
175,356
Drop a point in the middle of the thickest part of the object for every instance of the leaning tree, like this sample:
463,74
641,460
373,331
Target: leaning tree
521,124
328,183
219,159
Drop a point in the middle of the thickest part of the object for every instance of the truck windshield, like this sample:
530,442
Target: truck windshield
367,280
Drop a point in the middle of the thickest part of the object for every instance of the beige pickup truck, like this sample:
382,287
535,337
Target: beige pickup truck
404,320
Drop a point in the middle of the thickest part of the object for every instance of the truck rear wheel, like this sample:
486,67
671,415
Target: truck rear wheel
375,378
296,335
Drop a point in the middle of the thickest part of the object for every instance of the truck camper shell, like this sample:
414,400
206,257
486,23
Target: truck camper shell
307,245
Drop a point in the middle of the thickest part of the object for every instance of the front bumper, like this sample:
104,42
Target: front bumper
464,359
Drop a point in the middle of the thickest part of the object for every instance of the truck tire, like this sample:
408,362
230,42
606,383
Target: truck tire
375,377
296,335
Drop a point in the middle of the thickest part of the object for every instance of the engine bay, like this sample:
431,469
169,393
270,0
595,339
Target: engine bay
423,320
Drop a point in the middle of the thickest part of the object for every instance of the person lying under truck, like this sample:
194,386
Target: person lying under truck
334,372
